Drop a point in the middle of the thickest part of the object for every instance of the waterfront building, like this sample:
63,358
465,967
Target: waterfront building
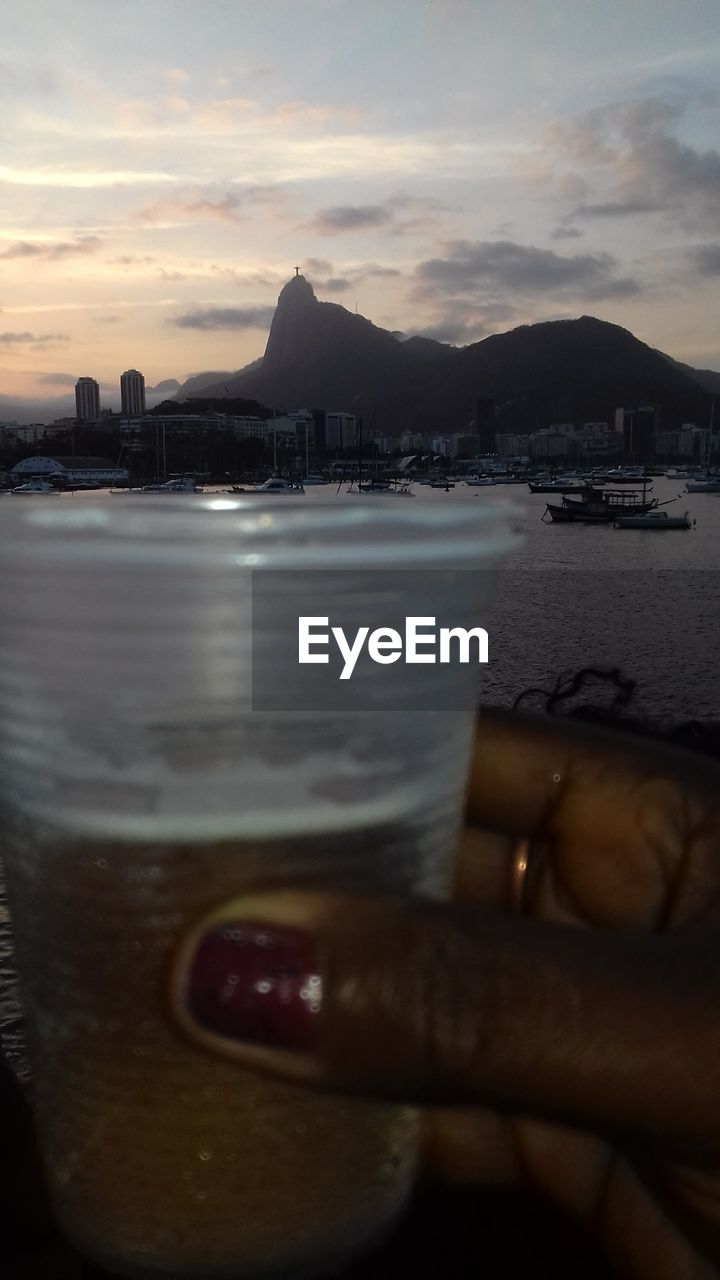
87,399
412,441
513,445
242,427
132,393
639,427
15,433
550,444
289,429
72,470
688,444
484,423
582,443
442,446
334,429
249,428
340,430
467,445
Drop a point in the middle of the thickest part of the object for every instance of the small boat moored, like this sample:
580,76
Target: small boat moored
390,488
35,486
178,484
275,484
654,520
600,506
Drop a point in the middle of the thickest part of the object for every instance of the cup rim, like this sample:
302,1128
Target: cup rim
255,533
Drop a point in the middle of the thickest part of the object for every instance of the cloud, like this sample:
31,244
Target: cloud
617,208
634,165
565,233
201,204
323,275
58,379
317,267
131,260
226,318
398,214
26,81
53,250
14,339
705,259
58,178
375,269
487,268
225,210
348,217
336,284
460,323
319,271
166,113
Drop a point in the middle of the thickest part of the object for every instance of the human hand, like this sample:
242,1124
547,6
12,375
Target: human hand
573,1047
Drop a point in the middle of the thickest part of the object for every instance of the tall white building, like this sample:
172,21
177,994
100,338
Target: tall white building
132,393
87,399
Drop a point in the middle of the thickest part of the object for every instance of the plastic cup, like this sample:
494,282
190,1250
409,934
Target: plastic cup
141,787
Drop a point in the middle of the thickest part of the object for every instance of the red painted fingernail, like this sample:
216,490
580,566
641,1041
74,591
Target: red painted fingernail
256,983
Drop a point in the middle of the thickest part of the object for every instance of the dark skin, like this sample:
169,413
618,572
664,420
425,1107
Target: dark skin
630,841
576,1048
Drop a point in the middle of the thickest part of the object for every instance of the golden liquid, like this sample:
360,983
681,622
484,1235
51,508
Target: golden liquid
161,1160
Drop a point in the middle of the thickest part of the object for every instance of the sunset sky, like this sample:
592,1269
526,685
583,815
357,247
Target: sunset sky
448,167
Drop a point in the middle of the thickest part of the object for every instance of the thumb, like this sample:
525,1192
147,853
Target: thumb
430,1002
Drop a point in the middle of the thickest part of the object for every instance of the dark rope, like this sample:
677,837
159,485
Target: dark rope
606,695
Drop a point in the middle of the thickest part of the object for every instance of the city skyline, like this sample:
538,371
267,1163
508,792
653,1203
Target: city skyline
448,167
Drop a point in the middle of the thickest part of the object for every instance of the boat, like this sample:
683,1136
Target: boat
390,488
654,520
710,485
627,475
277,484
179,484
441,484
35,486
600,506
478,482
557,486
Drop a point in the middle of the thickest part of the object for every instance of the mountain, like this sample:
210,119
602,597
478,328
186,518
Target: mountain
162,388
197,383
708,379
318,354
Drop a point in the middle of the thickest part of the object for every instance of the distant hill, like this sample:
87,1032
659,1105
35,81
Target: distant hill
237,405
708,379
319,354
199,381
164,387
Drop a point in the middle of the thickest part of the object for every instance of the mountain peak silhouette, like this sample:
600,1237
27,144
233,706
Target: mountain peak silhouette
322,355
